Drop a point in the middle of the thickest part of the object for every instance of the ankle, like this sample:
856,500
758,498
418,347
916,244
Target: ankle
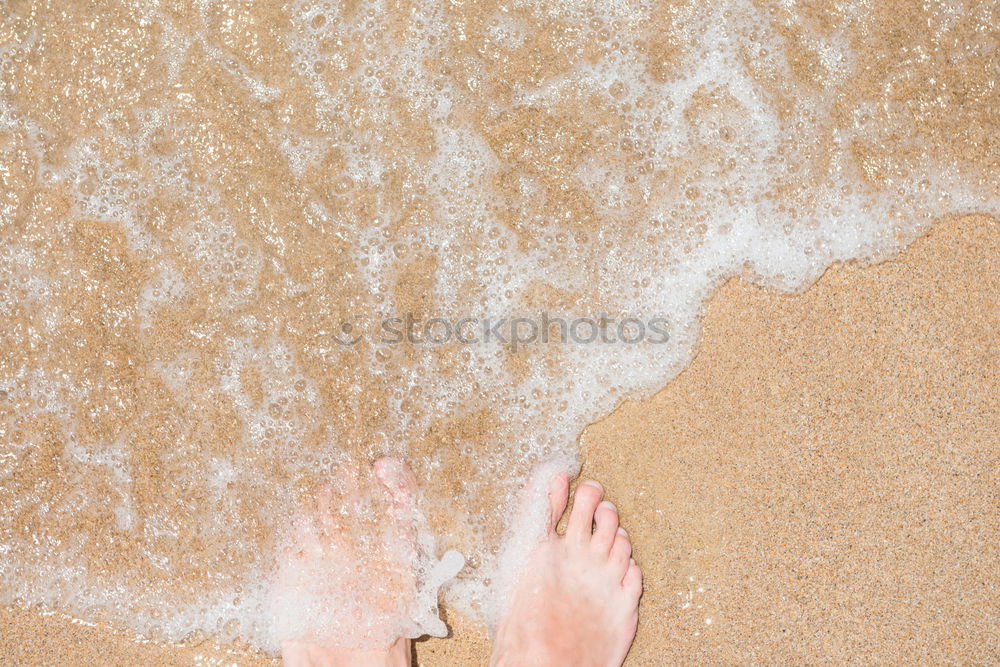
307,654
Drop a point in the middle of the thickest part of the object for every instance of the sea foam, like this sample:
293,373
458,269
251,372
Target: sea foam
200,207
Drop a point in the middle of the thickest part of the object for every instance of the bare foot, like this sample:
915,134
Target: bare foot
577,599
345,591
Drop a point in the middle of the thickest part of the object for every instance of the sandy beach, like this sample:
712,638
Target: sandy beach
740,259
819,485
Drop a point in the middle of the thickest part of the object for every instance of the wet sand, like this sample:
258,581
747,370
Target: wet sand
820,484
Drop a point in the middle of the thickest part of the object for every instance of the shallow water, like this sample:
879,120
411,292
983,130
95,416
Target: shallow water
218,219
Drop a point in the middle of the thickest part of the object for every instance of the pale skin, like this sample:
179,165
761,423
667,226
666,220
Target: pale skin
576,601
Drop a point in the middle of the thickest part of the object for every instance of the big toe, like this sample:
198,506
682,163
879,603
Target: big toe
581,518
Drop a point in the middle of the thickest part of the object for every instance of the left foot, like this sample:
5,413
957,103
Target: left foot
345,586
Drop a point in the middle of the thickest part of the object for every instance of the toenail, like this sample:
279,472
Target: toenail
609,505
621,531
594,484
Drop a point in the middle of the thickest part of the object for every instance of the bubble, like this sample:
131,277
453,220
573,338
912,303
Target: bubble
628,165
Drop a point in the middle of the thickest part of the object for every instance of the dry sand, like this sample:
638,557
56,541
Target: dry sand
819,485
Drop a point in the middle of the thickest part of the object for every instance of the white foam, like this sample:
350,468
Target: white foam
316,596
716,218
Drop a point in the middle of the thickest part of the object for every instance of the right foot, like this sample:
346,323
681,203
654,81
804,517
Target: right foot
577,599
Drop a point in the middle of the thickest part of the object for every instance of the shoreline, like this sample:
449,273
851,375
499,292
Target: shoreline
825,457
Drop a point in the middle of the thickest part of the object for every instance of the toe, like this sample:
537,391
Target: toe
558,497
324,499
301,542
621,552
581,518
345,480
632,582
606,520
325,508
397,478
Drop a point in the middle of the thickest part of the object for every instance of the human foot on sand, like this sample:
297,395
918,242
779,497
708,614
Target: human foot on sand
345,583
576,601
